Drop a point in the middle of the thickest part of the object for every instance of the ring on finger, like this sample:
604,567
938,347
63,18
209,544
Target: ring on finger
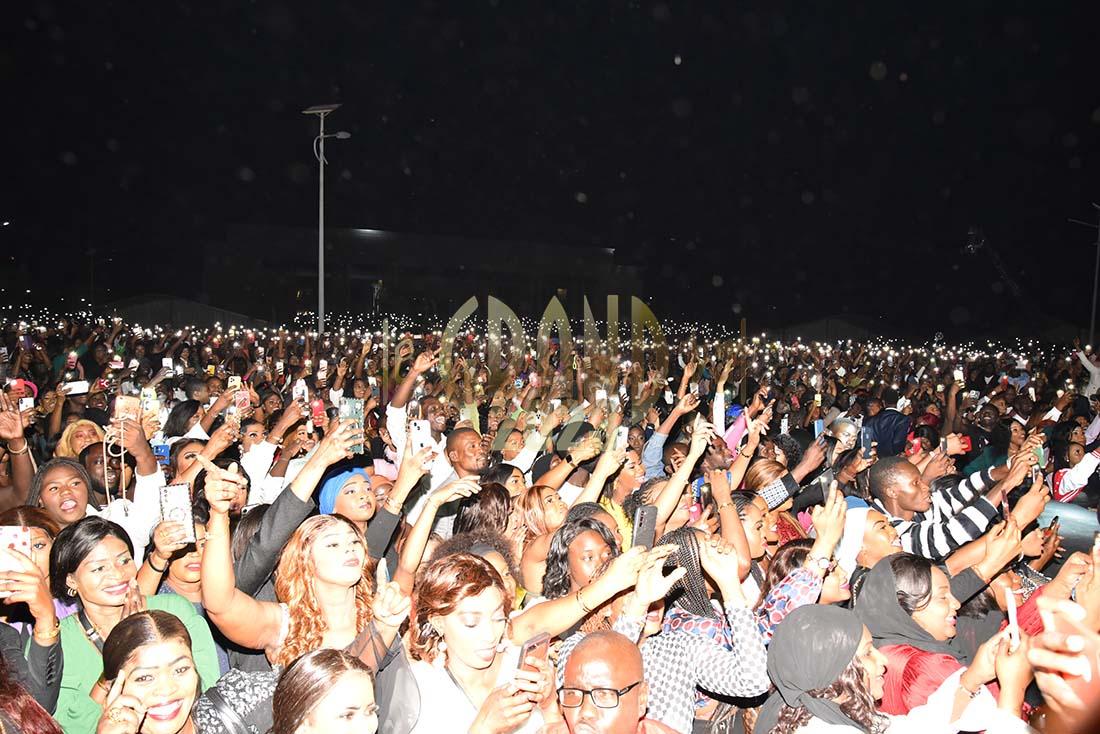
116,715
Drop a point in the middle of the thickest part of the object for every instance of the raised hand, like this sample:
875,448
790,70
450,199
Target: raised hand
27,585
221,486
452,491
122,712
338,443
390,605
11,423
425,361
828,519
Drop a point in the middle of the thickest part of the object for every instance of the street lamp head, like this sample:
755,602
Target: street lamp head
343,135
320,109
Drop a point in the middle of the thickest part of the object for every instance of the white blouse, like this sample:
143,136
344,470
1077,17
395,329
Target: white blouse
444,706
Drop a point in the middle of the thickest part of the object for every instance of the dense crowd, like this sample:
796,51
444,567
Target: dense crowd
234,530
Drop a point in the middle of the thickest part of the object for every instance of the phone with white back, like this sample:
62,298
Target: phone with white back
420,433
175,506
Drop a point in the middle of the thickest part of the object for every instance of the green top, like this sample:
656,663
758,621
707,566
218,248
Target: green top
76,712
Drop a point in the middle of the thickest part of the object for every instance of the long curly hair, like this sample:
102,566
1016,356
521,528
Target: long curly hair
439,589
294,586
858,705
556,581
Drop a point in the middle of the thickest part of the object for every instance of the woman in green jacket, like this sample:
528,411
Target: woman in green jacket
92,562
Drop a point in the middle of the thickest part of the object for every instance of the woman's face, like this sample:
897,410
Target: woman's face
474,629
635,439
834,587
198,416
632,474
82,437
880,539
272,404
360,389
339,555
874,665
163,677
1077,435
41,543
516,484
186,457
587,553
185,568
512,445
752,520
1017,434
1075,453
252,433
938,616
104,575
356,500
498,562
610,524
553,508
64,495
347,708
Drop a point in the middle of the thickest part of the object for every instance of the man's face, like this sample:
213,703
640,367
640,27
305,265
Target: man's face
910,490
718,454
608,671
108,478
470,455
434,413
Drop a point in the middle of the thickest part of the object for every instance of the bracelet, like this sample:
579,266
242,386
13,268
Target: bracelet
569,461
392,508
149,560
580,602
26,448
972,694
724,505
50,634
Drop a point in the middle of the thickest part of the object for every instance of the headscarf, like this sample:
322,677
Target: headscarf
64,448
877,605
330,487
851,543
812,646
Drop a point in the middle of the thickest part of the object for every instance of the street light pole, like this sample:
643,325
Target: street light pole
1095,272
322,111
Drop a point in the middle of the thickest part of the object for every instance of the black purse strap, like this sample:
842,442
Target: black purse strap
233,722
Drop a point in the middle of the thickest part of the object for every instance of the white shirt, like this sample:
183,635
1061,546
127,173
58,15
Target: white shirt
441,470
444,707
139,517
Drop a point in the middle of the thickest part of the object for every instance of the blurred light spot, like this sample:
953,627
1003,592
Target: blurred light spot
68,158
246,174
676,59
717,281
878,71
736,308
581,197
903,77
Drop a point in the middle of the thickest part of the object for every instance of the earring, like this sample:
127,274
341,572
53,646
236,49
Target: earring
442,646
71,591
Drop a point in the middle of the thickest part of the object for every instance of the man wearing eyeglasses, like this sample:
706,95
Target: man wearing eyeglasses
604,690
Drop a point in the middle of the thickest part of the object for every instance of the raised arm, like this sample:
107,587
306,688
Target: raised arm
250,623
19,449
412,553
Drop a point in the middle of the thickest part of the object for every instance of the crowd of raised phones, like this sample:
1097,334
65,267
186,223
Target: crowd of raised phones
252,531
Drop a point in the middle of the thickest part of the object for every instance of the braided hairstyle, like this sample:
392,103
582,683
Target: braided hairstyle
690,591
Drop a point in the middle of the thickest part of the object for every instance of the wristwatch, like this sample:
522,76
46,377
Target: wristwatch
821,563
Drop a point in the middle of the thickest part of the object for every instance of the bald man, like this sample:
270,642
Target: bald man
608,666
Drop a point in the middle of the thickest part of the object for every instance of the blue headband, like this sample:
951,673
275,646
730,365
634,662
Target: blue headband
330,487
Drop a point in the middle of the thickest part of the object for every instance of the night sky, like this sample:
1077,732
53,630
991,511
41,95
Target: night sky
779,162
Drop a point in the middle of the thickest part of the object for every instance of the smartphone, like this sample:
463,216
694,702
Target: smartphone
242,400
974,395
555,403
645,525
1036,473
967,444
1031,393
601,395
819,427
840,372
26,405
518,384
322,369
536,647
233,383
16,538
943,446
1013,623
79,387
420,433
784,424
939,388
670,398
175,506
621,434
817,399
351,409
866,442
128,408
162,452
279,366
317,412
300,392
166,363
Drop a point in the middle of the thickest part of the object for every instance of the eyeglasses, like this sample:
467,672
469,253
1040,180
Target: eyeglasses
604,698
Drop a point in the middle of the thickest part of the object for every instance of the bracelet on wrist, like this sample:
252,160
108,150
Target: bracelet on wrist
20,452
580,602
153,566
724,505
51,633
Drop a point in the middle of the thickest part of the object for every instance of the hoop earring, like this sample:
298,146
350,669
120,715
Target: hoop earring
70,591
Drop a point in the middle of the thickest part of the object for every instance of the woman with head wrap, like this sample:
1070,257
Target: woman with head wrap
907,604
827,676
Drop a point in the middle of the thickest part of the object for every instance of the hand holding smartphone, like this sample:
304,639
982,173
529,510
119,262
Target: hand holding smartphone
175,506
16,538
351,409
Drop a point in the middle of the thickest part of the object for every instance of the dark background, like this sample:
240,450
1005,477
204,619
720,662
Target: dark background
772,161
